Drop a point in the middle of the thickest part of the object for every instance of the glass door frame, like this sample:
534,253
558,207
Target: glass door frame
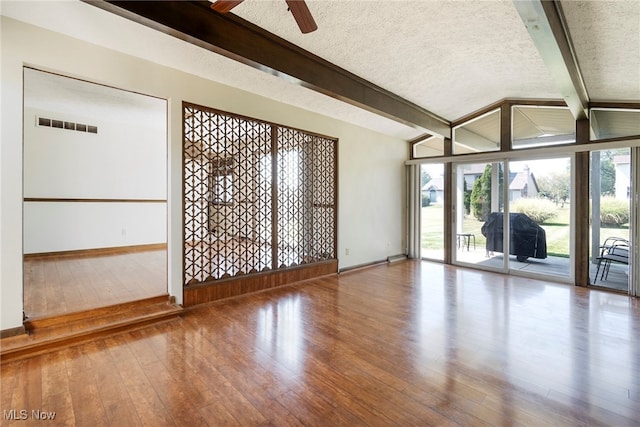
633,288
419,213
570,278
634,224
506,267
458,214
550,152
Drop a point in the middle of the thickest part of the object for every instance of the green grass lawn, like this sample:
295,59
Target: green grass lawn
556,229
558,233
432,227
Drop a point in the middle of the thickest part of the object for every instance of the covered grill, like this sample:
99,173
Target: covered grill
528,239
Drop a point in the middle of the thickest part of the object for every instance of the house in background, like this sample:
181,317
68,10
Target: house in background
471,173
434,189
522,185
623,176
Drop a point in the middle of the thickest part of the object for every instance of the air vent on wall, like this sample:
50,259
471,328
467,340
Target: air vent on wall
60,124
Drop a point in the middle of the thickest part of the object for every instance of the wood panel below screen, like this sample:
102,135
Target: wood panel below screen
218,290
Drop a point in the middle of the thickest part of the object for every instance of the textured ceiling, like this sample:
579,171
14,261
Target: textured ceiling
96,26
606,38
449,57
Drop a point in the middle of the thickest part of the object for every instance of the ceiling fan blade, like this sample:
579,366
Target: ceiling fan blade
302,15
224,6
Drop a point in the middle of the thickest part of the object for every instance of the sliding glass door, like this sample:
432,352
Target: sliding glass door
432,194
515,216
611,191
540,217
478,214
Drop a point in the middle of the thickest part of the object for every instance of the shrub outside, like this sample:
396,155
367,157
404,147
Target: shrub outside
539,210
613,212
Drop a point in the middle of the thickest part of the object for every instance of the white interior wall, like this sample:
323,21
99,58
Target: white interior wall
121,161
371,199
125,160
371,175
60,226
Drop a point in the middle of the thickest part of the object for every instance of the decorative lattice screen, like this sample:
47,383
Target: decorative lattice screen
257,196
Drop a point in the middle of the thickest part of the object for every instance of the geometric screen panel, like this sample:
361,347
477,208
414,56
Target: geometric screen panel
257,196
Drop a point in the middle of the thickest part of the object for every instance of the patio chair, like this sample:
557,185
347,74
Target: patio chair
614,249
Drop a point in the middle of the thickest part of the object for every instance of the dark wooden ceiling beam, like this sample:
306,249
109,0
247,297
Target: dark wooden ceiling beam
233,37
548,29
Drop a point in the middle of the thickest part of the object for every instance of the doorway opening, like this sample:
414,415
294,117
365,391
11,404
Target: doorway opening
95,196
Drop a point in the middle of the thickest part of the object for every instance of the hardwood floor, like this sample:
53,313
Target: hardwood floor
56,285
408,343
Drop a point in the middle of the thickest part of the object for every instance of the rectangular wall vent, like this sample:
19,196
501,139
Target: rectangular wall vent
60,124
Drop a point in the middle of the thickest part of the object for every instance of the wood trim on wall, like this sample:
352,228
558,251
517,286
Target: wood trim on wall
581,226
617,139
448,147
101,251
464,119
505,127
87,200
12,332
449,227
411,143
510,102
615,105
581,200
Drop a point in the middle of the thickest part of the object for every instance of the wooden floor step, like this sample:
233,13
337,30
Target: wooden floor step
66,318
52,334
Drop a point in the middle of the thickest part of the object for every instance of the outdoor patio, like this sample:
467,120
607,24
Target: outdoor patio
551,266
